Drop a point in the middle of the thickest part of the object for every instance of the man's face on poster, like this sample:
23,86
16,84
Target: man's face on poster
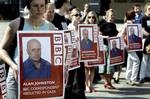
132,31
114,44
85,34
34,50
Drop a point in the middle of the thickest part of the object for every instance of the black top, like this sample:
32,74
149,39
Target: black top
60,22
102,21
146,26
146,23
107,29
147,42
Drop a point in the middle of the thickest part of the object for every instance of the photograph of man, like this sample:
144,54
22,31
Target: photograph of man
66,39
86,43
114,52
133,38
35,67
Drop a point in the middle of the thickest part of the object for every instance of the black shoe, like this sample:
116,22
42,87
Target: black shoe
116,80
142,81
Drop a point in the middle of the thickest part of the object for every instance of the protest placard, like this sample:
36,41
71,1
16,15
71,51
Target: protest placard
40,64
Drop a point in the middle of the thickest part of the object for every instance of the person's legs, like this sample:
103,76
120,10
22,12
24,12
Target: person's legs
92,74
12,87
79,83
69,85
143,66
129,67
147,71
87,79
135,68
116,75
108,83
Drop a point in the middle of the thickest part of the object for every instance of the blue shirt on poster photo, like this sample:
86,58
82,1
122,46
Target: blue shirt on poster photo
133,38
33,73
86,45
115,52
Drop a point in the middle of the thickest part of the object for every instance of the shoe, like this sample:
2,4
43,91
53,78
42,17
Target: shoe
135,83
92,89
142,81
109,86
116,80
128,82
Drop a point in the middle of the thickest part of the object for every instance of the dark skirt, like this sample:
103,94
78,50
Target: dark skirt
75,86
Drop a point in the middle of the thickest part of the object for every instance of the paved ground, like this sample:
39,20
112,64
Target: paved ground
123,91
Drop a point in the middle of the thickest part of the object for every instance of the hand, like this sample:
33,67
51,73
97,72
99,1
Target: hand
15,71
148,49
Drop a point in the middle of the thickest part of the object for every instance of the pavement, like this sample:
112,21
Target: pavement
122,91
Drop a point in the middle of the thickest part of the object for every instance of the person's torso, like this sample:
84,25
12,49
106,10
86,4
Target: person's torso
60,22
146,23
26,27
44,26
138,18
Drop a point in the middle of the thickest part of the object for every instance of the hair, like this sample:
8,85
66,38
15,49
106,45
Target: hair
137,5
130,14
145,8
72,11
109,11
50,4
86,4
28,2
33,40
96,19
83,31
59,3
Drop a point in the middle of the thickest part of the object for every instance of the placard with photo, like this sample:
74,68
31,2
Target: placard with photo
88,42
101,57
72,60
134,37
116,50
40,64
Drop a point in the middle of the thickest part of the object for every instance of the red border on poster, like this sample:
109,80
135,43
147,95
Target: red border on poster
101,58
86,54
116,57
47,88
137,45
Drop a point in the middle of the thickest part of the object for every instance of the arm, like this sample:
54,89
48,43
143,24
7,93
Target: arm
4,44
145,33
122,32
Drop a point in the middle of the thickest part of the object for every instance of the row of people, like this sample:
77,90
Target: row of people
80,79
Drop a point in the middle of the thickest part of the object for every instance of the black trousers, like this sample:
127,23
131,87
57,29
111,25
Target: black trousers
76,84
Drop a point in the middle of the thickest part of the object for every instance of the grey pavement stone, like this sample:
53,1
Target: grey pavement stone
123,90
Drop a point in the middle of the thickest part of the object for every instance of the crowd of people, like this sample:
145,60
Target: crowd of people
62,15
